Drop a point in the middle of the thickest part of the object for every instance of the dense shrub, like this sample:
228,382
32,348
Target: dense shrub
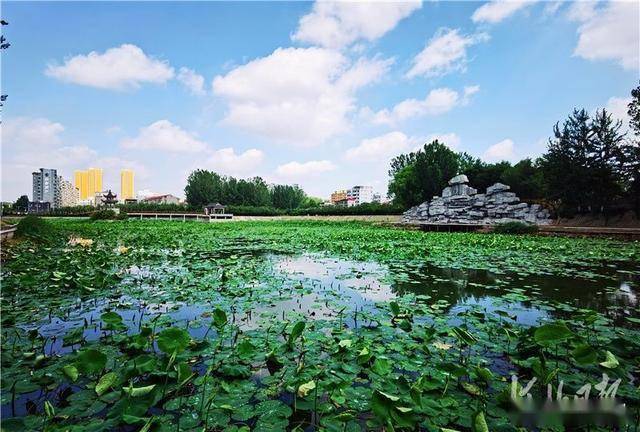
108,214
34,227
72,211
515,228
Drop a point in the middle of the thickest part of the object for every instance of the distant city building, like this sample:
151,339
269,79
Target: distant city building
360,194
81,182
68,195
347,202
88,182
96,199
45,186
338,195
126,184
35,207
162,199
355,196
94,182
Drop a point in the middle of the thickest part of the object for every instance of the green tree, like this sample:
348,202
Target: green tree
634,111
565,163
418,176
22,203
605,160
525,178
203,187
310,201
286,196
632,151
584,162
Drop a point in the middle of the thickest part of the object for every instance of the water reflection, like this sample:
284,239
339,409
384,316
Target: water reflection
316,287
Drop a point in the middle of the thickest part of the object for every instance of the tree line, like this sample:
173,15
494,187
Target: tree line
591,165
205,187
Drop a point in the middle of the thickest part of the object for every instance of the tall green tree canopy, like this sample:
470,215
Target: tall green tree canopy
420,175
583,164
204,187
632,151
286,196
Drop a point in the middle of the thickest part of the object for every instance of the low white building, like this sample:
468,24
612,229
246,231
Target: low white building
360,194
162,199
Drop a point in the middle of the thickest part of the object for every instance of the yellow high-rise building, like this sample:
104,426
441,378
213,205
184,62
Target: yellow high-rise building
88,182
81,182
126,184
94,181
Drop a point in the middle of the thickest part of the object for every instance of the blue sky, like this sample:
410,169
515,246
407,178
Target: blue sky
321,94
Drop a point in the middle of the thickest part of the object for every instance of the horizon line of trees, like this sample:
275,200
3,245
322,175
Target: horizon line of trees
205,187
591,165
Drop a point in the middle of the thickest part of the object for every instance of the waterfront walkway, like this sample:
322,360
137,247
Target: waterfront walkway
180,216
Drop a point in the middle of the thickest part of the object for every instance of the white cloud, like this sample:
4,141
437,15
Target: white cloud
112,130
226,161
470,91
164,135
438,101
380,148
304,169
336,24
496,11
27,132
301,96
618,107
551,7
192,81
445,52
504,150
123,67
610,32
451,140
35,143
582,10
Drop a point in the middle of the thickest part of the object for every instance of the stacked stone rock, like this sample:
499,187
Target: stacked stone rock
462,204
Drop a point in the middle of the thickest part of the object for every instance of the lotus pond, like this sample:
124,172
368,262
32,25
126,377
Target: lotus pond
154,326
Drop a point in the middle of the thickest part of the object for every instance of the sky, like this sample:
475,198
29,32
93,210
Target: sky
320,94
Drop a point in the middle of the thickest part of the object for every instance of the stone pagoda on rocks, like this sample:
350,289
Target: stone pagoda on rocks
460,204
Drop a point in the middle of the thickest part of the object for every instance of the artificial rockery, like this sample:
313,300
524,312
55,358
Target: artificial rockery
462,204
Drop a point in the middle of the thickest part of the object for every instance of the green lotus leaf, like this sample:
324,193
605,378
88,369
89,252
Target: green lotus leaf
610,362
304,389
584,354
107,381
479,423
296,332
552,333
219,318
71,372
111,318
138,391
173,340
91,361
